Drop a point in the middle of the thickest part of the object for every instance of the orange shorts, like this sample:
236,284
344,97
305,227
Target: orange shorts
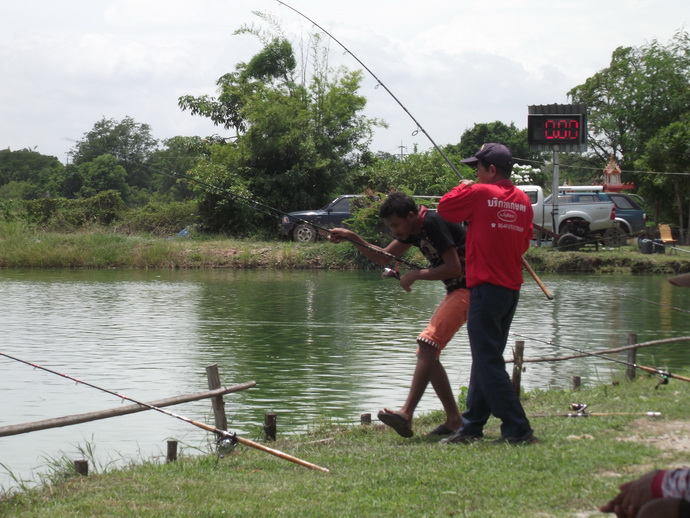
449,316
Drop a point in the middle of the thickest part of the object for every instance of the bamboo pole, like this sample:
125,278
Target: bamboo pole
258,446
607,351
597,414
121,410
536,278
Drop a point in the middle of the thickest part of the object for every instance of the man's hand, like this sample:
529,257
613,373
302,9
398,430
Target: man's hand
632,496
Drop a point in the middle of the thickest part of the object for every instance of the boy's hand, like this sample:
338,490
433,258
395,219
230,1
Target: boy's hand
408,279
338,235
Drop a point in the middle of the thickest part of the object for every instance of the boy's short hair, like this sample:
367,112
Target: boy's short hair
397,204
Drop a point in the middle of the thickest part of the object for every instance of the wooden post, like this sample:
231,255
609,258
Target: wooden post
81,467
172,451
577,381
632,357
221,420
270,426
365,419
517,365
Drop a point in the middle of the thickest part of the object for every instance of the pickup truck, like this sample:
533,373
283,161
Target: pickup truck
630,215
589,217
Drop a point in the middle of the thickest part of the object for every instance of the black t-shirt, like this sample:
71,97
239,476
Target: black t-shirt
435,237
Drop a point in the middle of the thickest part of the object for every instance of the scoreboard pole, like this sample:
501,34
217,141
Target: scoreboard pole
554,188
556,128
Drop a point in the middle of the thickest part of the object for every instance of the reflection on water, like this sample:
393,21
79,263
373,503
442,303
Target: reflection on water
333,344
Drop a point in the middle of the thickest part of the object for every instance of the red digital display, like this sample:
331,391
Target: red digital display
561,129
555,129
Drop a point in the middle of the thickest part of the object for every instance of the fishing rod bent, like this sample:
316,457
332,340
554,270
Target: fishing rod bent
272,210
663,375
419,126
527,266
222,434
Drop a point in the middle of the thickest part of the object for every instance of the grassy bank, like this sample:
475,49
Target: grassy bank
22,247
575,467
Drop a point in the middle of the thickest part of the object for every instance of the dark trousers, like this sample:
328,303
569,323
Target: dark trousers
491,391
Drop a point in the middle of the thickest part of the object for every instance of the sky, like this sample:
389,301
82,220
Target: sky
451,63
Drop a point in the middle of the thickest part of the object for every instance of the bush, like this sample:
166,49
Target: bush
65,215
160,219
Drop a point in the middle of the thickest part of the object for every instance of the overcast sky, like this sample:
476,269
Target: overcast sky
66,64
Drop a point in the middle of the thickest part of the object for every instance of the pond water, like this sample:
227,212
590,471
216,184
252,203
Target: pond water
319,344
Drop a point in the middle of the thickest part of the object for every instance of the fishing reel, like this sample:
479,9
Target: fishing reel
663,379
391,273
580,410
226,442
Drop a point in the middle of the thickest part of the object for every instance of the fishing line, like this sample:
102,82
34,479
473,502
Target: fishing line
656,303
419,126
225,438
267,209
536,278
663,375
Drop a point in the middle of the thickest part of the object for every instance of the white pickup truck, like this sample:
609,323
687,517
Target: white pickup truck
582,217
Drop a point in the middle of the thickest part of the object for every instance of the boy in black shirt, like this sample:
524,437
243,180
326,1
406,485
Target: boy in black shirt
443,245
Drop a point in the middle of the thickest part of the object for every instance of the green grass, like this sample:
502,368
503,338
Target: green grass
23,247
575,468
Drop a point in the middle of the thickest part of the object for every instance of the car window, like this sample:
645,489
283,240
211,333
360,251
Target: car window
342,205
622,203
588,198
533,196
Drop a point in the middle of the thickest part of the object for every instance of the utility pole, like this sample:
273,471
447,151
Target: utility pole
402,148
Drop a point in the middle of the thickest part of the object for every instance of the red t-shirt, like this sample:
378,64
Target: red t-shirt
499,217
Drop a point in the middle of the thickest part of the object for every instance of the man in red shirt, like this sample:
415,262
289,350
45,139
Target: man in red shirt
499,218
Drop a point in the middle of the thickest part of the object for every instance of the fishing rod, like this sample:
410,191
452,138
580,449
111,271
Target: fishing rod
272,210
529,269
419,126
225,438
580,410
663,375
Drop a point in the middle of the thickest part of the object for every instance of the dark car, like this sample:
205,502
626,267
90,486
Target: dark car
298,225
629,213
295,225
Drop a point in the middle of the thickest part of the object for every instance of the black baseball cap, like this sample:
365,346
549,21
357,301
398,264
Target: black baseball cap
496,154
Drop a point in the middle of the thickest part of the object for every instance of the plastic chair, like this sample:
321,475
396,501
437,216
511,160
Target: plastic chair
667,237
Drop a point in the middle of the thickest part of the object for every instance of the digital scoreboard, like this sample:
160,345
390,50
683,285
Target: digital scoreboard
557,125
555,129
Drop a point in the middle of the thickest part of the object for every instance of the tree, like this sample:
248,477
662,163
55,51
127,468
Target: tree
297,132
177,156
129,142
516,140
27,174
102,174
631,106
667,157
425,173
643,90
